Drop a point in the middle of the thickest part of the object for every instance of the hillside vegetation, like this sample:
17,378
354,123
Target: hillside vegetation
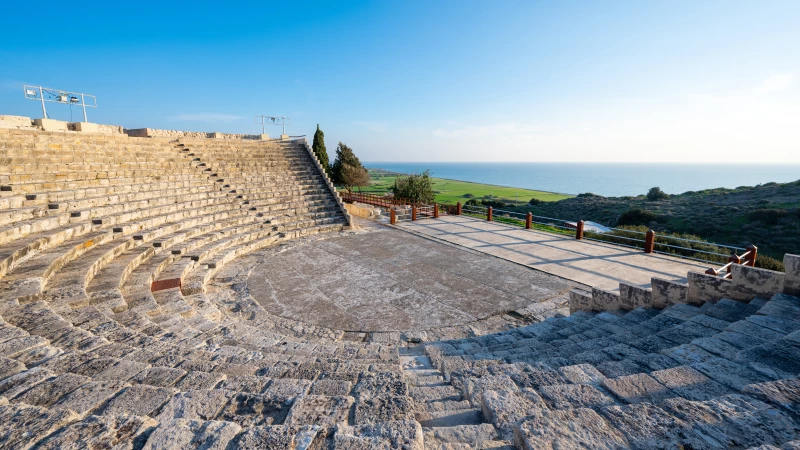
767,215
452,191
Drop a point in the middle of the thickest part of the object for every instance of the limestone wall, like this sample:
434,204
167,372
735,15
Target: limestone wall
15,122
152,132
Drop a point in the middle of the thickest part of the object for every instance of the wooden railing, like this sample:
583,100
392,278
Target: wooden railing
375,199
747,258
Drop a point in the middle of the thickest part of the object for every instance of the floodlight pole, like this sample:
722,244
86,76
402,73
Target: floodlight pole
83,103
41,96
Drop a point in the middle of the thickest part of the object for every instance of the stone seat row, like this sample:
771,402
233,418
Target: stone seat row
638,365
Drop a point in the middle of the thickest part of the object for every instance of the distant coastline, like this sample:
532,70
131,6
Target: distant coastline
607,179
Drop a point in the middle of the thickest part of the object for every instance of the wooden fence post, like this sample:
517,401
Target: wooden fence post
458,208
413,213
489,214
528,220
392,216
751,257
649,241
435,211
579,230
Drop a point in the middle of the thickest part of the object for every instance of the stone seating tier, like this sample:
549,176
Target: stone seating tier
91,355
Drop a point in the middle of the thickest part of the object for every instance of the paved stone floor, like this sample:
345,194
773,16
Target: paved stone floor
587,262
384,279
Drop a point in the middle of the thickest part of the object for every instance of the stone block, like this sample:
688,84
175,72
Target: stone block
182,433
750,282
637,388
87,127
284,137
138,132
579,301
632,297
791,265
15,122
381,436
705,288
281,436
320,410
215,135
569,396
51,125
603,300
263,137
571,428
99,432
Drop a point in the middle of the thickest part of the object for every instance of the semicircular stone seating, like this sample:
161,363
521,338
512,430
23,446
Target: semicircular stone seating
126,323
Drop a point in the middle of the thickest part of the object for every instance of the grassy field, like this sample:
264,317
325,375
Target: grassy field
451,191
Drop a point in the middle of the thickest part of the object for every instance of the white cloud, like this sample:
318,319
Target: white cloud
206,117
378,127
775,83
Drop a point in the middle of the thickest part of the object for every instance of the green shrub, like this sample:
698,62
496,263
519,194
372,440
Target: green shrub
655,194
637,216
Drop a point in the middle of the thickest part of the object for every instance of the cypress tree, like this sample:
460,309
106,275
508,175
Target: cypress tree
319,149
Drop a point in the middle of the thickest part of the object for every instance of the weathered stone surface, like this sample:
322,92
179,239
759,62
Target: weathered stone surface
200,380
689,383
21,425
632,297
726,424
505,408
791,265
331,387
122,432
647,426
319,410
10,367
385,383
733,375
581,373
637,388
286,390
572,428
90,396
158,376
707,288
784,393
22,381
183,433
195,405
50,391
279,437
460,436
579,301
751,282
603,300
140,400
383,409
568,396
14,347
249,410
382,436
474,387
666,293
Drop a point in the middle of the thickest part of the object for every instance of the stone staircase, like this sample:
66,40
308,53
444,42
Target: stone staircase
126,322
720,375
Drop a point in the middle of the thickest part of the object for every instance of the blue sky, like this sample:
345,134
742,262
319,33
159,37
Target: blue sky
433,81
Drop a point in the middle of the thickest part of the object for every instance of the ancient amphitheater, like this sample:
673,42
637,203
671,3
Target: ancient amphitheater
187,291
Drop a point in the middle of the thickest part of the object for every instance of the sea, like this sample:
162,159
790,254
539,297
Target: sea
606,179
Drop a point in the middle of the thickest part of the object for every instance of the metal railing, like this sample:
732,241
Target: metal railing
375,199
649,241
